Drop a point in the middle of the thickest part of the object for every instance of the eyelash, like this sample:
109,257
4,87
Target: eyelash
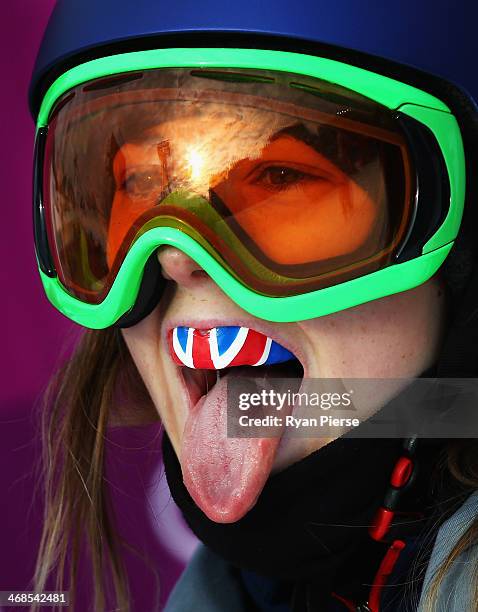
300,176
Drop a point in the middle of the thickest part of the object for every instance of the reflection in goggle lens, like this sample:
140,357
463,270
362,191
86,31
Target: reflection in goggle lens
290,188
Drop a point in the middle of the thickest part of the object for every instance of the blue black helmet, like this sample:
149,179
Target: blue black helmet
415,39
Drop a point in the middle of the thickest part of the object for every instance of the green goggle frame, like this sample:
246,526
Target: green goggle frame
410,101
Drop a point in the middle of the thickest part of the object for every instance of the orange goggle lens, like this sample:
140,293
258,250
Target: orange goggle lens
293,184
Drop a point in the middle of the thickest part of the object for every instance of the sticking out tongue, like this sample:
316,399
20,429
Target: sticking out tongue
223,475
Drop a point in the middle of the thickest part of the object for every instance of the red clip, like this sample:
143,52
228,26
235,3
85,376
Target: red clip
401,472
381,524
383,572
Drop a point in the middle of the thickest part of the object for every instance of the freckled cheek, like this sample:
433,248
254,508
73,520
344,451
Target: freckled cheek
394,336
344,344
310,223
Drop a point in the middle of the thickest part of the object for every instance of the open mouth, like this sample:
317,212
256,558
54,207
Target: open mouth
207,355
225,475
201,382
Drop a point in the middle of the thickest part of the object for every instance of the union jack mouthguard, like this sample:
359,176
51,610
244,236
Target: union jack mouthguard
223,347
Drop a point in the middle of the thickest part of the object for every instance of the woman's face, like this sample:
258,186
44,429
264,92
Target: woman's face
396,336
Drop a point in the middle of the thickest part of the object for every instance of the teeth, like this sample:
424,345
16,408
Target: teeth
223,347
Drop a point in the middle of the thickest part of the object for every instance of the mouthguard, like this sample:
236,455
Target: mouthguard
224,347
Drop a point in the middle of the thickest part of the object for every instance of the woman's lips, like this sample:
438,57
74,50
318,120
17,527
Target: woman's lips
224,346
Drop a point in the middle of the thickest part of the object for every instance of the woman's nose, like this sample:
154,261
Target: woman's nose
180,268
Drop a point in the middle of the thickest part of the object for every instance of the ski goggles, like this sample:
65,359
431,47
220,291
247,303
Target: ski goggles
301,185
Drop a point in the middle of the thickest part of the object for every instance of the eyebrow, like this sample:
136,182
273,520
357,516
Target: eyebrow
298,131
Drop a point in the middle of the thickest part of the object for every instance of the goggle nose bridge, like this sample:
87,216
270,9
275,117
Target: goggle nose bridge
152,284
149,293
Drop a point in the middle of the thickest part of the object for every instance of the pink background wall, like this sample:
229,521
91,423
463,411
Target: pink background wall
34,338
34,333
